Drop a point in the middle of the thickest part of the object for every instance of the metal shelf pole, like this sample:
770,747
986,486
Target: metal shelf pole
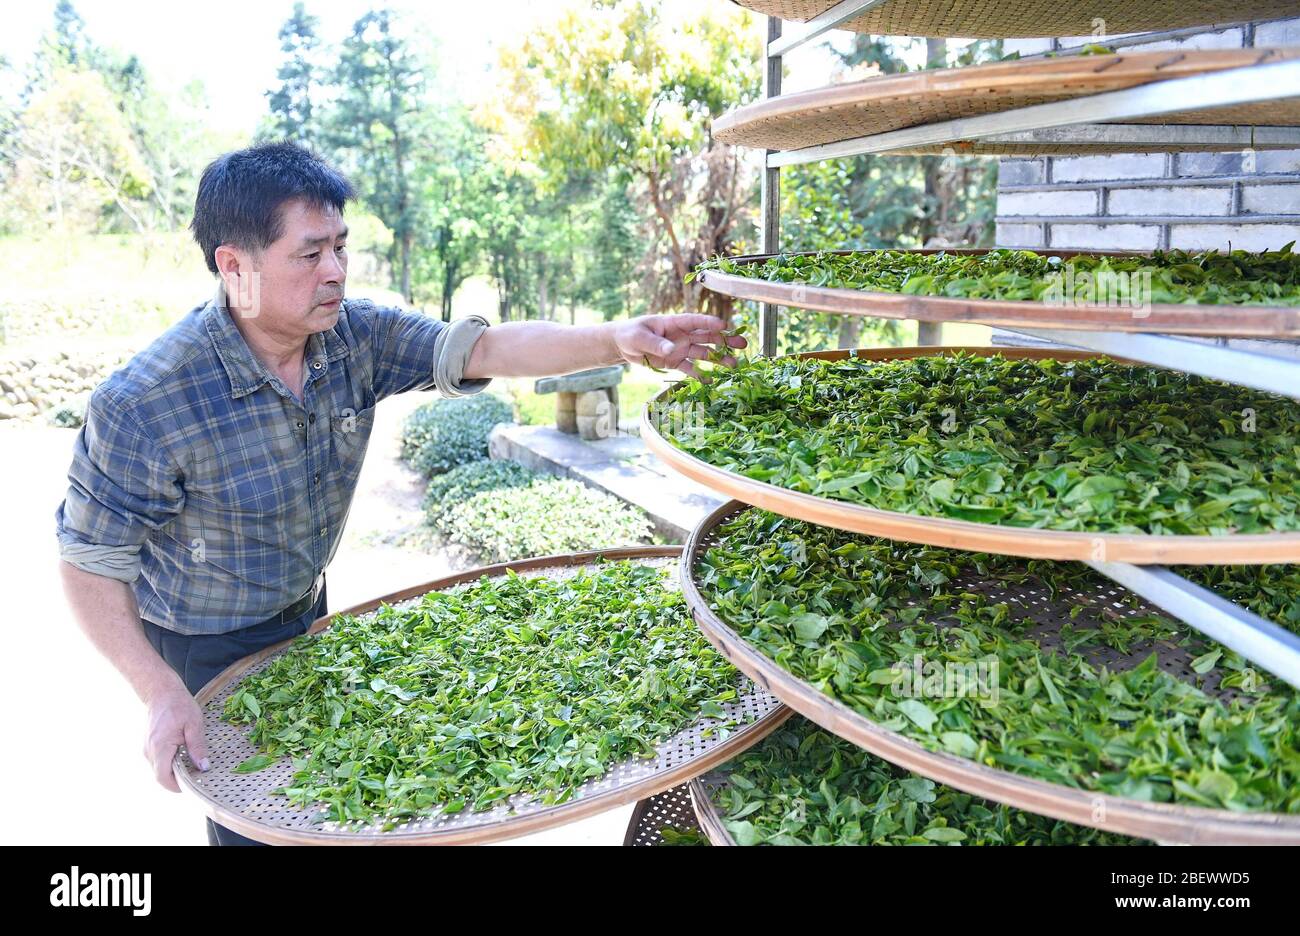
771,192
1260,641
1252,369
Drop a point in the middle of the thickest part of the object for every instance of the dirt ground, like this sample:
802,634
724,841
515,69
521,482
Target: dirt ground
75,730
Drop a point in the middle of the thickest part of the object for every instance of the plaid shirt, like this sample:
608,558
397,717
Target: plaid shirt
203,482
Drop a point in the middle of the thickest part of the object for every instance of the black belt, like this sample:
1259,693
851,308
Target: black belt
302,605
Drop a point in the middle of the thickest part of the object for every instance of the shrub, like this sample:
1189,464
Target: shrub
445,491
443,434
552,515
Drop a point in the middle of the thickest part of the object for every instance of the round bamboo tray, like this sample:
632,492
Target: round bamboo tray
707,818
1161,822
1140,549
245,803
1242,321
979,19
671,808
893,102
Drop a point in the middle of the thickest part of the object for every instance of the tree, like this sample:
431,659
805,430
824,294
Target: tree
379,128
75,158
617,87
607,284
294,114
453,189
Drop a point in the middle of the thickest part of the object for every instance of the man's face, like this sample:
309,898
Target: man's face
300,277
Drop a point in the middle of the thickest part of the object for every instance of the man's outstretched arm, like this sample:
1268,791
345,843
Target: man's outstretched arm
540,349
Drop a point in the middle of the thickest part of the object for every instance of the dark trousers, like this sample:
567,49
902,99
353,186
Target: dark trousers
196,659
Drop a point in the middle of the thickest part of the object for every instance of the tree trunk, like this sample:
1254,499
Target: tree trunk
406,268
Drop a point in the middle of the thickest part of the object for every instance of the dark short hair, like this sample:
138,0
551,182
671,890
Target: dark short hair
241,193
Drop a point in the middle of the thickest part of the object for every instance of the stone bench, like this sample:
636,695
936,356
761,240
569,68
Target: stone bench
586,403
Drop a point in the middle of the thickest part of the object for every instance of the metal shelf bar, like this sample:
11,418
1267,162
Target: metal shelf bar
1233,86
1259,371
819,25
1228,136
1258,640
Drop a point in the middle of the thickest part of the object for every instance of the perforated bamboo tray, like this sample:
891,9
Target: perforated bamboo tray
671,808
707,817
984,19
1141,549
1160,822
244,803
1241,321
892,102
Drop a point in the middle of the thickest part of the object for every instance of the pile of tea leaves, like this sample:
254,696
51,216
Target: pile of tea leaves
846,614
1235,277
514,684
1086,445
802,786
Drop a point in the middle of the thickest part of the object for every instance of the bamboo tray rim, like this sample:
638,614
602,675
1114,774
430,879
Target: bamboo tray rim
950,533
509,826
1200,319
707,816
1032,18
1067,77
1161,822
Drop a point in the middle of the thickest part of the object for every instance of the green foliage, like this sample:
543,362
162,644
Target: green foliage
1086,445
461,483
549,516
1176,276
441,434
501,686
1059,714
380,129
802,786
294,114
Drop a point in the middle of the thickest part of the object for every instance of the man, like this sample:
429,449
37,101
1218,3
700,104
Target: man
213,476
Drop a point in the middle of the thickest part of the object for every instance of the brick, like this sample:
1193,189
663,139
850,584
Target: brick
1280,33
1020,235
1267,161
1171,200
1098,168
1240,236
1270,199
1082,202
1227,39
1208,164
1020,172
1106,236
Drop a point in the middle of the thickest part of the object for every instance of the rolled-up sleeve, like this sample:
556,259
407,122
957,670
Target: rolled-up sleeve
121,487
418,352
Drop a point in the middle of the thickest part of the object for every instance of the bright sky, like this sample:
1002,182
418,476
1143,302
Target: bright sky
235,50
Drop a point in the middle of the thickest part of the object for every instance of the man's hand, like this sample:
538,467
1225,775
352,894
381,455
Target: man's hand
174,719
673,341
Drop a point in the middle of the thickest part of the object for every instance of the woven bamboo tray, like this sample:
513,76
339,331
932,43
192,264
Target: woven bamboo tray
671,808
1160,822
1141,549
245,803
982,19
707,818
1242,321
893,102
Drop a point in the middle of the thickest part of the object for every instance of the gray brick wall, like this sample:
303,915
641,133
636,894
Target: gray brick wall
1144,201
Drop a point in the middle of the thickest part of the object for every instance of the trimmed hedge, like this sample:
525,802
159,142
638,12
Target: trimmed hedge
447,490
443,434
547,516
